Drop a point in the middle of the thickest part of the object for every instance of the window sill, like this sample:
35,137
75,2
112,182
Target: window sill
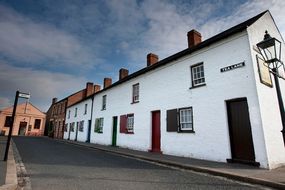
130,132
103,109
197,86
186,131
135,102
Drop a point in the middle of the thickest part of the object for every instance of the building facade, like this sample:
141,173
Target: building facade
29,120
56,115
213,100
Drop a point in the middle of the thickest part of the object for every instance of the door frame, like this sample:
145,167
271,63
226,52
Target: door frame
22,127
114,130
232,159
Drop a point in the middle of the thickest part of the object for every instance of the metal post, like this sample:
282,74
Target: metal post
11,127
280,102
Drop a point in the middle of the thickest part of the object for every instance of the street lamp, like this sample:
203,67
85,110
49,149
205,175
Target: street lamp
270,50
18,95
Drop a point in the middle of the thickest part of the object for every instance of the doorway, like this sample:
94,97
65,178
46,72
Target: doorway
114,136
22,128
76,132
89,131
155,147
242,148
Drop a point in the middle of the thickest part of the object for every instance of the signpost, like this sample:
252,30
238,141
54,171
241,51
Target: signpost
21,95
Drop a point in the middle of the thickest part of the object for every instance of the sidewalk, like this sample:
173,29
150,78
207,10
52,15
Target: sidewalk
272,178
3,165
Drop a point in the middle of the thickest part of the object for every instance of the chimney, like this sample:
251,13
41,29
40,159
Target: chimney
123,73
194,38
107,82
54,100
151,59
89,88
97,88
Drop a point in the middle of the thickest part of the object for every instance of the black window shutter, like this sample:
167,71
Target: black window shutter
172,124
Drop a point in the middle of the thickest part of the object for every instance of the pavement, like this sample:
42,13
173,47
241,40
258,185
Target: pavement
3,165
8,171
272,178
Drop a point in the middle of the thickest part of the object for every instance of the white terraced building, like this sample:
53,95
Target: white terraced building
214,100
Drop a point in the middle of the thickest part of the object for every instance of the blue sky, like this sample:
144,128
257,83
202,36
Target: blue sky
52,48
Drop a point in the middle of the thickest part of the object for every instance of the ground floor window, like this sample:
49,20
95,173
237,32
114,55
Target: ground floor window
127,123
81,126
72,126
180,120
99,123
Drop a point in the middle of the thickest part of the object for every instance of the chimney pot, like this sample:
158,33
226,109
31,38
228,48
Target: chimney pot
107,82
151,59
123,73
194,38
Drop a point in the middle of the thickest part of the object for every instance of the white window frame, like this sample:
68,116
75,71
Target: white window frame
136,92
186,118
198,75
130,123
99,128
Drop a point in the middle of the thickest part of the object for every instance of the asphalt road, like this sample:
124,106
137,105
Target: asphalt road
55,165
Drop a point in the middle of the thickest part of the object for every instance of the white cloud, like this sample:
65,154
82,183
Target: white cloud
42,85
167,24
25,40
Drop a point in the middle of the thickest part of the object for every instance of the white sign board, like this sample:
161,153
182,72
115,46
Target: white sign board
24,95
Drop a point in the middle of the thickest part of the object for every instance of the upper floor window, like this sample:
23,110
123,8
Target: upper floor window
104,101
85,109
37,124
68,114
198,76
8,121
136,88
75,113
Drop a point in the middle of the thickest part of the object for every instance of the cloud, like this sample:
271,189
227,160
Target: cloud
42,85
5,102
25,40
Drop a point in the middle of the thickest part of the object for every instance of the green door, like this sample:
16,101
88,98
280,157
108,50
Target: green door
114,137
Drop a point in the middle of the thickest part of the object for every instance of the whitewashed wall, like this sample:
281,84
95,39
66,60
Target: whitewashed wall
168,87
268,102
81,136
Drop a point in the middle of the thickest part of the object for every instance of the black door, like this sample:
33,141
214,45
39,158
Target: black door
89,131
240,131
76,132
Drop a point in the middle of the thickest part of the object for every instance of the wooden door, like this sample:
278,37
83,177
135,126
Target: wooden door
240,131
114,136
22,128
155,131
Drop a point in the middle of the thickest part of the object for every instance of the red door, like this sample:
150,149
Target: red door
155,131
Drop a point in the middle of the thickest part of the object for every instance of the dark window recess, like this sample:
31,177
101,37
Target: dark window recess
123,123
172,122
37,124
8,121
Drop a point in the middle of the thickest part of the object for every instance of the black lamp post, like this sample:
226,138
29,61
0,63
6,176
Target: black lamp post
18,95
270,49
